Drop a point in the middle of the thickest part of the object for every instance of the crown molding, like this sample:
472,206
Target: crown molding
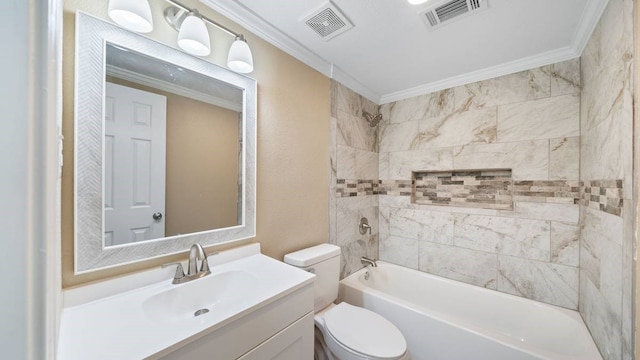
254,23
258,26
543,59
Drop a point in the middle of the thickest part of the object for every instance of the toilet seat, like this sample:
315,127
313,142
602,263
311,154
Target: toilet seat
364,332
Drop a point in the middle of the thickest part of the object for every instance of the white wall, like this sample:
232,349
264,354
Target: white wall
27,190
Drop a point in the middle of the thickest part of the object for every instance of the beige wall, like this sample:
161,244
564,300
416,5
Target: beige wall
293,142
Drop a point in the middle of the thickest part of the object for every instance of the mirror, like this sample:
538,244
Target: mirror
165,149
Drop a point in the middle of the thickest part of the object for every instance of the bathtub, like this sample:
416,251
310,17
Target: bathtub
444,319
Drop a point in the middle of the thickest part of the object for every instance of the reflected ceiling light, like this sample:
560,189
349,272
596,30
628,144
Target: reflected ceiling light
240,58
417,2
134,15
193,36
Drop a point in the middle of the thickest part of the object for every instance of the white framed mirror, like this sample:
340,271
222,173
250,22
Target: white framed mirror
165,149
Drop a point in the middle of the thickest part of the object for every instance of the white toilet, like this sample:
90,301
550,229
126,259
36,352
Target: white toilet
347,332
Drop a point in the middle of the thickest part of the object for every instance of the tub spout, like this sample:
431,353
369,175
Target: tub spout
367,261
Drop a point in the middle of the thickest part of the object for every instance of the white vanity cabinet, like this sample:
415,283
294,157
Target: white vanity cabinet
281,330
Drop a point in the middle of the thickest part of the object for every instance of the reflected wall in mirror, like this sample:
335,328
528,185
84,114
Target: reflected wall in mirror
165,149
171,150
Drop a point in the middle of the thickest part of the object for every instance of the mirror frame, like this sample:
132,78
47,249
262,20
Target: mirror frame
90,254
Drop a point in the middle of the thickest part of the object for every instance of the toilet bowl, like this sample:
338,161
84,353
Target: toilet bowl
347,332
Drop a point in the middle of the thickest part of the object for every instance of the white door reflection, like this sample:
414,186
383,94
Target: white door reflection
134,165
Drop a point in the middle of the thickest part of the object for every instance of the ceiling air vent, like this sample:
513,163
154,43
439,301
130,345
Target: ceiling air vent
447,11
327,21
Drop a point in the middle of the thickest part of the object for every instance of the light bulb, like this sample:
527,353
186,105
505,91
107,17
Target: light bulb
134,15
240,59
194,36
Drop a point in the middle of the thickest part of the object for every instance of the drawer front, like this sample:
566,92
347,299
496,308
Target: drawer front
293,343
240,336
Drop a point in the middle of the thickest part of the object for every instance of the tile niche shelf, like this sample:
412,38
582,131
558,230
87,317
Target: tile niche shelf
488,189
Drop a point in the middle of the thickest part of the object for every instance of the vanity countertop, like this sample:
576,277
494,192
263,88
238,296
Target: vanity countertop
121,326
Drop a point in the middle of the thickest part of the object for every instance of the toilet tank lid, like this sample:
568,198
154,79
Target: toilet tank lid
312,255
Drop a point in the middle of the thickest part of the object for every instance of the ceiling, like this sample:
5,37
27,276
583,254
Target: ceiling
390,54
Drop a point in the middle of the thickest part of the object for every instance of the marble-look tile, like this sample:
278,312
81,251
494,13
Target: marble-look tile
628,270
355,132
419,107
568,213
601,256
564,158
522,86
540,119
400,251
456,129
433,226
469,266
333,173
351,103
353,251
398,137
333,93
603,321
402,163
348,213
383,220
366,166
565,241
346,162
565,77
550,283
606,152
383,166
529,160
508,236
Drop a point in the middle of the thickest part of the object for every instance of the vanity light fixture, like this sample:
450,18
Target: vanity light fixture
134,15
240,59
193,36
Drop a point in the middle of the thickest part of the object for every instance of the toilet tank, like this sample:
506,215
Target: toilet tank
324,261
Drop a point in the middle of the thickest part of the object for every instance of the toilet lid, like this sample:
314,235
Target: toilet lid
365,332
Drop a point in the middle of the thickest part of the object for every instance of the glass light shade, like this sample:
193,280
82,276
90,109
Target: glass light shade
194,36
240,58
417,2
134,15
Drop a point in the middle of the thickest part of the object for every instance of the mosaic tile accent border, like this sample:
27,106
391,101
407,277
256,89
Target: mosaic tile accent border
538,191
484,189
603,195
347,188
554,191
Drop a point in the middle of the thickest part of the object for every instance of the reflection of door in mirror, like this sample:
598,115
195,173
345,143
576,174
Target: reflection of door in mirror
134,161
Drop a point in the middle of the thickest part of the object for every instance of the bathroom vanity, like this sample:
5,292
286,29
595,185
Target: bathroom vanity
256,308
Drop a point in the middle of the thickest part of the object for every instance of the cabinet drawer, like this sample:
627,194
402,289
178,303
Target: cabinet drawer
293,343
240,336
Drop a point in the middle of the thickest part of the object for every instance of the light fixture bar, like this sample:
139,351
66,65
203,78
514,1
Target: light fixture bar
204,18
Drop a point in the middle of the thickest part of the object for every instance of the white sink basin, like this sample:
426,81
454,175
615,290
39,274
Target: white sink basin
150,320
213,293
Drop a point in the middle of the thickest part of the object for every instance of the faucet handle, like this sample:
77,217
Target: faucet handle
204,267
179,270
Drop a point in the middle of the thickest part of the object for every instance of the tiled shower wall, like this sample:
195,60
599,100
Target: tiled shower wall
353,159
607,248
528,122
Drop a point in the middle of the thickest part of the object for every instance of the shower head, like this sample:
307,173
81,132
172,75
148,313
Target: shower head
373,120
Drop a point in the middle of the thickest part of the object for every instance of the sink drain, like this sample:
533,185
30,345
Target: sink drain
200,312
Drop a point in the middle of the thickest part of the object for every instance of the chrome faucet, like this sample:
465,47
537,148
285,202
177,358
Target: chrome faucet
196,252
366,260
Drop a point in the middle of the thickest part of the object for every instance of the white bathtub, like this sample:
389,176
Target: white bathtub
444,319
